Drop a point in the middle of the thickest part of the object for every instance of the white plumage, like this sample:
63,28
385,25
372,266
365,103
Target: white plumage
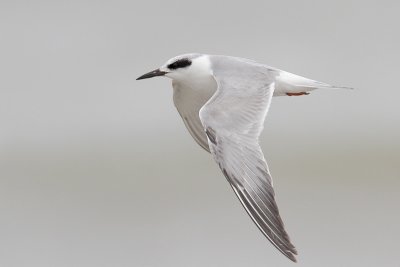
223,102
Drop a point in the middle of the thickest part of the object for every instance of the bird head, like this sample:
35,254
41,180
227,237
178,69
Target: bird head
181,68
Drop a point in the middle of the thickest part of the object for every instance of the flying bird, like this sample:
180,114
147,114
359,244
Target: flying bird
223,102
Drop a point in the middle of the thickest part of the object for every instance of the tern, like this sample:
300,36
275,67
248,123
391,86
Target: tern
223,102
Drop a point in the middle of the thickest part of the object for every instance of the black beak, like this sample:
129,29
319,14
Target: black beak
151,74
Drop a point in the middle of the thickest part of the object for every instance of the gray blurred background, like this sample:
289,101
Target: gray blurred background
97,169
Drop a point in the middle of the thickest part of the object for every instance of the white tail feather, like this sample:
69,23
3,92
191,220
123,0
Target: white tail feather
288,83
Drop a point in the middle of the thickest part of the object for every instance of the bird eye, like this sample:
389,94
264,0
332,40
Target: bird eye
181,63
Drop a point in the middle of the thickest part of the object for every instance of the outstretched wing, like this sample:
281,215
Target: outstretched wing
188,103
233,120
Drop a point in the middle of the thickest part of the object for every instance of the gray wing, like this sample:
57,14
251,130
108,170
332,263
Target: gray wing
233,120
188,102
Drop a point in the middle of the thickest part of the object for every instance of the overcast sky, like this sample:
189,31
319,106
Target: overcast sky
97,169
68,69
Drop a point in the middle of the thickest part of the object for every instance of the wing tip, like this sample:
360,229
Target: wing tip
291,257
290,253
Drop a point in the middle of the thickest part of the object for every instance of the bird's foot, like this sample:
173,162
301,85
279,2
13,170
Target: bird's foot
297,94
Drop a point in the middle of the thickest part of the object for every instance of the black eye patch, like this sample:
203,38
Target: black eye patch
181,63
